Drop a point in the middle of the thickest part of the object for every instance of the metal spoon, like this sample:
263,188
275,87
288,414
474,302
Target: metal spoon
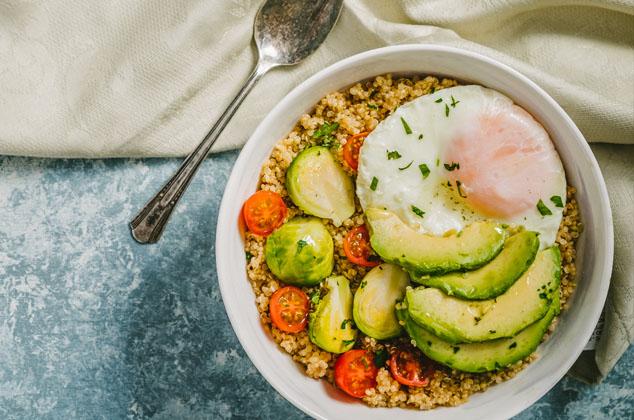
285,32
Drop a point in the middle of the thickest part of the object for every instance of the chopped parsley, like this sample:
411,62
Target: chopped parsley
424,170
504,226
346,342
454,102
301,244
458,184
327,142
437,162
372,106
543,210
452,167
393,155
374,92
314,298
460,233
557,201
375,182
249,256
512,346
420,137
491,331
325,130
439,100
433,89
456,349
343,324
406,127
365,364
446,110
363,283
380,358
418,211
405,167
543,296
477,319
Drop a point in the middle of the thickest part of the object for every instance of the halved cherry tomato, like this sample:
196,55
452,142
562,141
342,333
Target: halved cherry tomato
289,308
355,372
351,149
264,212
411,369
357,247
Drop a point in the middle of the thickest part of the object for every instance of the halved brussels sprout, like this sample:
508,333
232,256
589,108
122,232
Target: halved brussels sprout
374,301
300,252
318,185
330,325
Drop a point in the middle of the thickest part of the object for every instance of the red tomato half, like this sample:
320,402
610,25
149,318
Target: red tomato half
289,308
355,372
351,149
411,369
357,247
264,212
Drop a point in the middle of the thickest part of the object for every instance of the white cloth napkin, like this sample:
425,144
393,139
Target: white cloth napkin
106,78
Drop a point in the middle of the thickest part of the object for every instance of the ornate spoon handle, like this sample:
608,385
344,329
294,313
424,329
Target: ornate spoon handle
148,225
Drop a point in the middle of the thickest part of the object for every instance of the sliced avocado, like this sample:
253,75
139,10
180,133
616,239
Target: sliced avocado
479,357
318,185
462,321
329,326
494,278
373,307
423,254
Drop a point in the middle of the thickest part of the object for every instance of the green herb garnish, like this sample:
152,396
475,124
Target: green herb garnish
365,363
314,298
363,283
406,127
249,256
456,349
458,184
504,226
380,358
439,100
372,106
420,137
512,346
301,244
325,130
543,210
393,155
437,162
374,92
460,233
452,167
375,182
418,211
454,102
433,89
327,142
345,321
557,201
424,170
491,331
346,342
405,167
446,110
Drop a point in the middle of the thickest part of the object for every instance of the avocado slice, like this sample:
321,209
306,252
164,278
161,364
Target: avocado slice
373,306
462,321
423,254
329,325
479,357
318,185
494,278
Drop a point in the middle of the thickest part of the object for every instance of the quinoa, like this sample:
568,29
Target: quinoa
360,108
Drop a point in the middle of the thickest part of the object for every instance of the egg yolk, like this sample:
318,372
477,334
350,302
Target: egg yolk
506,162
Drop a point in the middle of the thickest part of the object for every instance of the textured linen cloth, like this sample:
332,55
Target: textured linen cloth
88,78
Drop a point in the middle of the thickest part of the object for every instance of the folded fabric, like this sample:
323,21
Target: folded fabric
109,78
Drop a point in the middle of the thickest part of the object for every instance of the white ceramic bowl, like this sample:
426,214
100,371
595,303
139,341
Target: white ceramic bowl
595,249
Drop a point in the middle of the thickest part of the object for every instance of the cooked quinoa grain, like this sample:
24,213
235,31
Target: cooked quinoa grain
359,109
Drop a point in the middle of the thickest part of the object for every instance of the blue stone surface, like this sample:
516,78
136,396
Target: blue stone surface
96,326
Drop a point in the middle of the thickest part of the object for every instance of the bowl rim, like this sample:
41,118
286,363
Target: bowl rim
226,221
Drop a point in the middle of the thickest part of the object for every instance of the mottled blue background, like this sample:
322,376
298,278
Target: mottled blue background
94,325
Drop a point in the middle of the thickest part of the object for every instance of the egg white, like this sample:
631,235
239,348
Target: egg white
399,186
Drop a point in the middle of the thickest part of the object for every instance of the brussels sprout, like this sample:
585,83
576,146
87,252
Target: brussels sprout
300,252
318,185
330,325
374,312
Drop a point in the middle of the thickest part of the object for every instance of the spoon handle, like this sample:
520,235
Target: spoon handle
148,225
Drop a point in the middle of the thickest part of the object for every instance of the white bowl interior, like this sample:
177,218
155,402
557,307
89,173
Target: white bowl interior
595,248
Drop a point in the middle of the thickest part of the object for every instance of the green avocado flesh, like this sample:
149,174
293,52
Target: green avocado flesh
462,321
423,254
330,324
318,185
494,278
373,307
480,357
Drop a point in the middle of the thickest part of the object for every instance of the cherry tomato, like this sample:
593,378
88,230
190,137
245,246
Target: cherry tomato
355,372
411,369
264,212
357,247
351,149
289,309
